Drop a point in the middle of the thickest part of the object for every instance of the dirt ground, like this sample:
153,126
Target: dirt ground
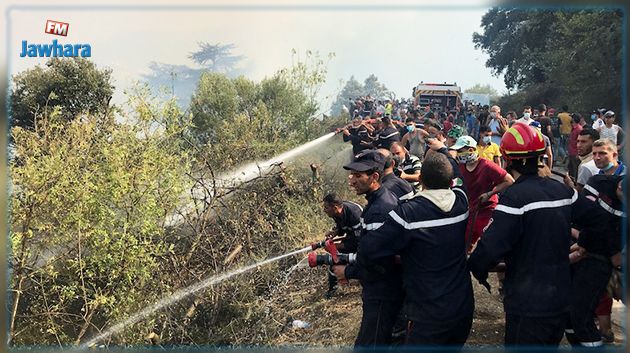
336,322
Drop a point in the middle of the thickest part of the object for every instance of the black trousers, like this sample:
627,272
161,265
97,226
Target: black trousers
590,278
534,331
453,334
377,322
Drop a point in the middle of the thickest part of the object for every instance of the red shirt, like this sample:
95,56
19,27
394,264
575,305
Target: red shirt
483,178
447,126
575,132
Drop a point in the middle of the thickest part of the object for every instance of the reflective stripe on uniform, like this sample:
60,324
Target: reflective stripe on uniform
592,344
370,226
591,190
537,205
428,224
461,191
356,204
610,209
388,136
407,196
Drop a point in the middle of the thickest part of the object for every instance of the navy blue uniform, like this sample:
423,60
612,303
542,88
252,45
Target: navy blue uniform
399,187
591,274
381,279
360,139
530,229
431,241
386,137
603,190
348,225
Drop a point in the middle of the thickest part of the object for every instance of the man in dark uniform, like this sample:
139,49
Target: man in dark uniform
347,217
531,230
594,259
388,134
381,280
358,134
402,189
428,232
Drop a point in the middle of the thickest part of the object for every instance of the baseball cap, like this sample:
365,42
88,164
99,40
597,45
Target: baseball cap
464,141
609,113
366,160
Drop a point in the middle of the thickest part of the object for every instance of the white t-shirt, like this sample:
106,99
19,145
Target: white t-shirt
494,127
586,171
598,124
609,133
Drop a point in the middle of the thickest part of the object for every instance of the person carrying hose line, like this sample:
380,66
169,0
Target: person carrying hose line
347,218
427,232
531,229
381,280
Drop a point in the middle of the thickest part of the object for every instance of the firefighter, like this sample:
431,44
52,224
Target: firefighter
347,218
428,233
531,230
381,280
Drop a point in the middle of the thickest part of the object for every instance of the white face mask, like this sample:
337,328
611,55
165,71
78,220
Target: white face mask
487,139
527,115
466,157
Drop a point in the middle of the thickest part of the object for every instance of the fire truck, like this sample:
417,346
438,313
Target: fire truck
438,97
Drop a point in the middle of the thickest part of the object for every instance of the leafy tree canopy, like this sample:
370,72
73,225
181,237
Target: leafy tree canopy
75,85
573,56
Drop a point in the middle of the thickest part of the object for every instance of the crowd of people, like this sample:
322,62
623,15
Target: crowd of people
471,191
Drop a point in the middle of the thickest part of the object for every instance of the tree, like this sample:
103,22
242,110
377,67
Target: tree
516,40
584,60
75,85
215,57
88,211
214,100
352,89
374,88
180,81
574,57
484,89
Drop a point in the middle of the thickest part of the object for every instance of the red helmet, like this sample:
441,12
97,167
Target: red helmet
522,141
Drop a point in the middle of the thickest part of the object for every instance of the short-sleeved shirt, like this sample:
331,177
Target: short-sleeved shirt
586,170
609,132
598,124
489,151
482,179
495,127
411,165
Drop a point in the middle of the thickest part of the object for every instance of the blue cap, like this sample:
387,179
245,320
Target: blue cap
366,160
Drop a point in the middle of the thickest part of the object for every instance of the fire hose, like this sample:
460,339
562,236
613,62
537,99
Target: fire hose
332,258
335,258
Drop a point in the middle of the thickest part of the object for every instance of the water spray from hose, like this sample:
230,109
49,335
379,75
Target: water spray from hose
181,294
240,176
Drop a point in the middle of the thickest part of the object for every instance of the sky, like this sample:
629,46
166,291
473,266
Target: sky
402,45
